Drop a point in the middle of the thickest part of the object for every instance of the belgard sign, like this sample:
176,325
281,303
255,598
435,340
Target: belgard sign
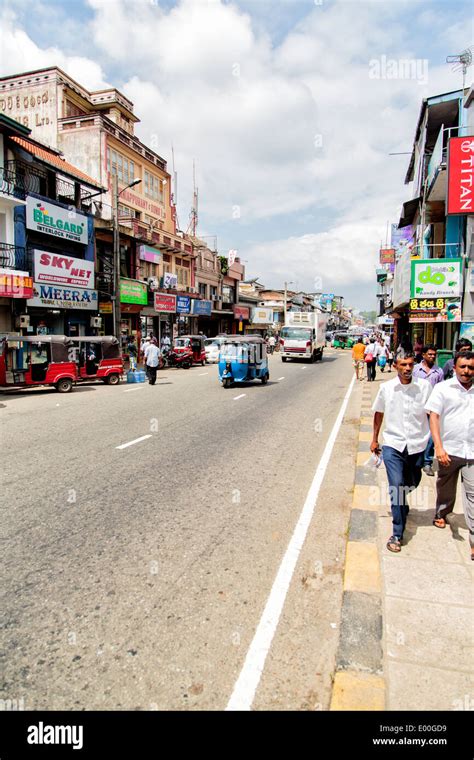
51,219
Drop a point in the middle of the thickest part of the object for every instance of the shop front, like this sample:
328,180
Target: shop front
435,308
165,309
14,284
241,319
184,320
262,321
202,310
133,298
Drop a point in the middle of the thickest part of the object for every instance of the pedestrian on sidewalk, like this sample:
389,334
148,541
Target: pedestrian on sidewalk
371,353
451,408
401,402
462,346
428,370
152,358
390,360
358,351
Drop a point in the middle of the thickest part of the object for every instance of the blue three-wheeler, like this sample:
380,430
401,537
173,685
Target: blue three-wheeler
243,358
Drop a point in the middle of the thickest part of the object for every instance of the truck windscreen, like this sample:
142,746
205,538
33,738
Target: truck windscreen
295,333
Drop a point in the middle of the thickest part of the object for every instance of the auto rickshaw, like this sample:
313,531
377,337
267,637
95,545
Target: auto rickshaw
98,358
243,358
195,343
28,360
342,340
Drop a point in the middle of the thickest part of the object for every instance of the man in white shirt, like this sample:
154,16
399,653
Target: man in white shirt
451,408
402,403
373,348
152,359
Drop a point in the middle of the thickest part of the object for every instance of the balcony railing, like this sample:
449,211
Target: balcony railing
12,185
14,257
437,250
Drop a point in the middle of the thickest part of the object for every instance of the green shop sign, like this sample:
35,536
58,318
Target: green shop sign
133,291
436,278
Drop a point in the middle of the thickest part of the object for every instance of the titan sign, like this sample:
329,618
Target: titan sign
50,219
460,194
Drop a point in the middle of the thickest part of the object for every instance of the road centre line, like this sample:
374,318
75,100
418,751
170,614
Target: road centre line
131,443
280,378
247,683
236,398
201,374
129,390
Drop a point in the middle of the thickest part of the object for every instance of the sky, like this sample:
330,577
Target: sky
289,109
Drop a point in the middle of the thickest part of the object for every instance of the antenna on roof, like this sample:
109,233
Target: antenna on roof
462,62
193,217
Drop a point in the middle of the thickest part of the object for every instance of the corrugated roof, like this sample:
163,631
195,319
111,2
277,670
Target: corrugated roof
55,161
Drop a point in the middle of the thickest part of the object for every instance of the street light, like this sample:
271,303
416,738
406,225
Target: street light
116,296
286,288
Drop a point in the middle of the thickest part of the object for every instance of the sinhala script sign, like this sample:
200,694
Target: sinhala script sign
46,217
436,278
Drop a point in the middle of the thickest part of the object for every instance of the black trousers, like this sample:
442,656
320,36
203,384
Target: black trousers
151,372
371,369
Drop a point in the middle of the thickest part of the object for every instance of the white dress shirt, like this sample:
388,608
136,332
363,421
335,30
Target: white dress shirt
373,348
455,406
405,417
152,354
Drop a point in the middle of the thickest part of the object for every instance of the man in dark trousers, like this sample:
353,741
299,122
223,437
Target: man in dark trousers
401,402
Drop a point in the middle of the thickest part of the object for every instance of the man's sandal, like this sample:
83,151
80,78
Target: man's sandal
394,545
439,522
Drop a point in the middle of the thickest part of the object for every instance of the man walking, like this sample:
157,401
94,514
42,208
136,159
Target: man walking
427,369
462,346
152,358
401,402
451,408
358,351
371,352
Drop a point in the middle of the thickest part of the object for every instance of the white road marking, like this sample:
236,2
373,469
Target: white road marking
280,378
304,368
137,440
236,398
129,390
247,683
201,374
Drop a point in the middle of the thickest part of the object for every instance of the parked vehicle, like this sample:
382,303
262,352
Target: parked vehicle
37,360
195,343
243,358
172,358
99,358
212,346
304,335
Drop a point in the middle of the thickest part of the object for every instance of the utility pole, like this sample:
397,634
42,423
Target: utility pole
116,253
286,294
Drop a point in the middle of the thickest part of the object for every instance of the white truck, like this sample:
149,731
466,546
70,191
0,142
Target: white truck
303,336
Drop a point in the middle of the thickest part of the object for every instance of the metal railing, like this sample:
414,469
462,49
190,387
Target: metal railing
14,257
12,185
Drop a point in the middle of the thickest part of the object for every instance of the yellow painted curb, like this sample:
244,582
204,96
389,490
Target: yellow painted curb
362,571
366,420
365,436
357,691
362,457
366,497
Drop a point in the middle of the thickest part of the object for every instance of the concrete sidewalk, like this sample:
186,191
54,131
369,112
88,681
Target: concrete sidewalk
407,629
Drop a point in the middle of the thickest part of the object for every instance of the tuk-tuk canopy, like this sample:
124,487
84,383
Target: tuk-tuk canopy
59,344
239,339
109,344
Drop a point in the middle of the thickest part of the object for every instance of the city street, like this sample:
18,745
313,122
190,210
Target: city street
136,577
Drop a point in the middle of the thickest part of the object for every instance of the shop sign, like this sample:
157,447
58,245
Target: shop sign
435,310
60,297
436,278
15,284
241,312
467,331
387,255
133,291
60,269
149,254
170,281
46,217
183,304
202,308
262,316
105,307
460,191
165,303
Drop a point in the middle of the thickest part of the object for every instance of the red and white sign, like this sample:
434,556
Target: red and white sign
241,312
165,303
460,196
15,284
57,268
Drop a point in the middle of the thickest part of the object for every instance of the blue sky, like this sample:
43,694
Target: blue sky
274,101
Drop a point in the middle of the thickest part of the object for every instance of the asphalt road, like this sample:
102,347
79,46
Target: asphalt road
135,578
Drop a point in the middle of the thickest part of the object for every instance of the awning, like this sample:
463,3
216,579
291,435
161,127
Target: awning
408,212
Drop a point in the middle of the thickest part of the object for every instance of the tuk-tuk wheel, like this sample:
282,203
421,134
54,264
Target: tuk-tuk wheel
64,385
203,362
264,379
113,379
284,358
226,383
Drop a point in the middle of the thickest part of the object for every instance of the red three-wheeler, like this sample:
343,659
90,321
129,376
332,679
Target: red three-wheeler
28,360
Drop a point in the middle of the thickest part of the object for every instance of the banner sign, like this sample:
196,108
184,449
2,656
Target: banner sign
60,297
241,312
133,291
170,281
15,284
436,278
183,304
105,307
149,254
387,255
262,316
460,191
61,269
165,303
46,217
202,308
435,310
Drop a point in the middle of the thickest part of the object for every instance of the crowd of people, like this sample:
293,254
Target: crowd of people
428,412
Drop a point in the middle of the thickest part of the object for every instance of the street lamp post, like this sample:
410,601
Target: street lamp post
116,254
286,295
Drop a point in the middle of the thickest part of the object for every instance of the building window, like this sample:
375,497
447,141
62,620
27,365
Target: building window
213,292
183,276
153,187
203,289
228,294
121,166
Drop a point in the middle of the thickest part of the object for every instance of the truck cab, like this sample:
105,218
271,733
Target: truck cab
304,336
